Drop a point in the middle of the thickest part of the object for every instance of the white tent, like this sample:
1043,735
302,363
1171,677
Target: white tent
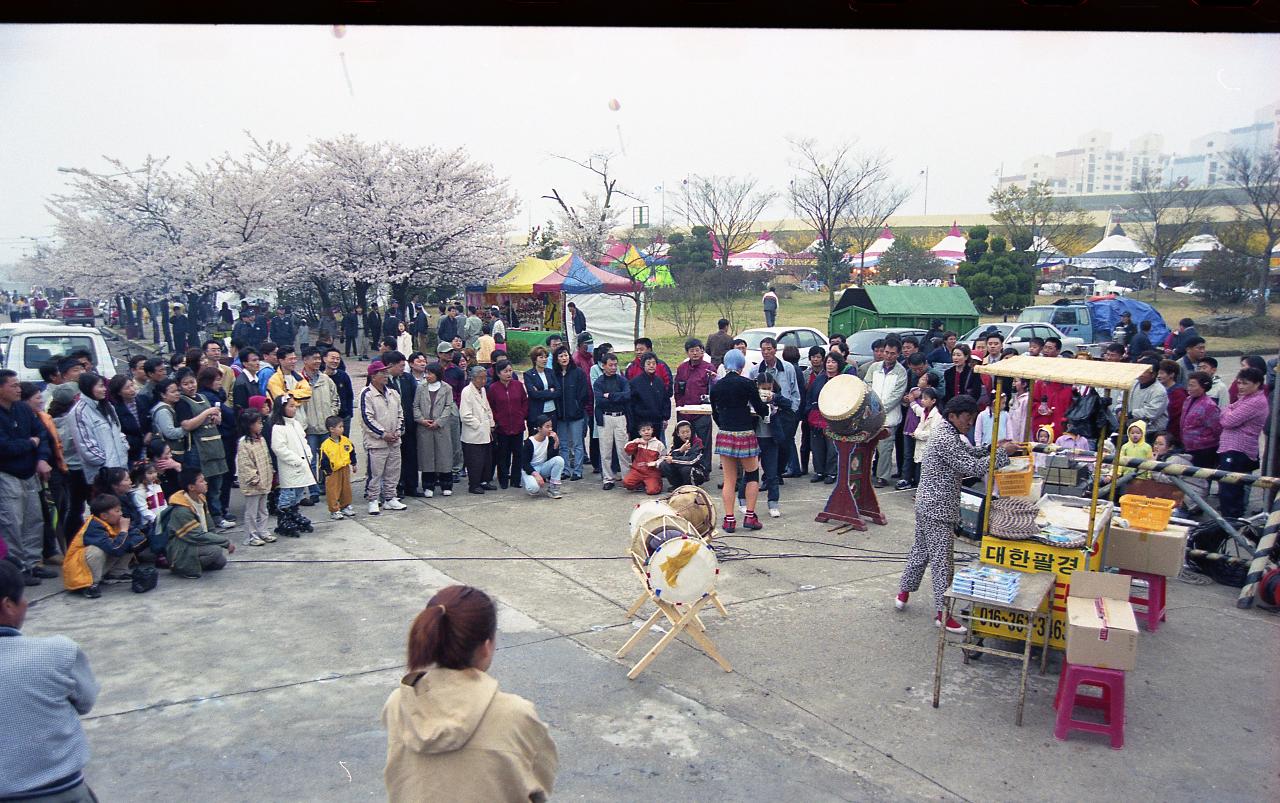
872,255
1049,253
1115,250
763,254
950,248
1194,250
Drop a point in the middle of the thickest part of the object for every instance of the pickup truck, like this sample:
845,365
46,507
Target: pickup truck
1018,336
1095,322
27,346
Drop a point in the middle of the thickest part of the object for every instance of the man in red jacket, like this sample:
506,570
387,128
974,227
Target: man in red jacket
1050,400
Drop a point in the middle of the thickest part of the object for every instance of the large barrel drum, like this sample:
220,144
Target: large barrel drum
851,407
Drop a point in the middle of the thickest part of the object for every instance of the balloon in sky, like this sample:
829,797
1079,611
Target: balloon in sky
339,31
614,105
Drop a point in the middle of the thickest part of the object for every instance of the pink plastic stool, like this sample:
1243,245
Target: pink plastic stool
1154,601
1111,703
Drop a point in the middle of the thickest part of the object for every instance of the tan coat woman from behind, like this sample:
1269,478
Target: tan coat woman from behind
451,735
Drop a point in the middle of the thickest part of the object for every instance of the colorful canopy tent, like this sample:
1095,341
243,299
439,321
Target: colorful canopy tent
874,251
608,300
1116,249
631,263
519,280
1194,250
950,248
763,254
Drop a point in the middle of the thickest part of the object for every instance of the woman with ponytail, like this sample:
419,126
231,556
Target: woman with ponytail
450,733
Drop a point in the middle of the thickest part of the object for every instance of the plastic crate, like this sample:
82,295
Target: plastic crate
1015,483
1146,512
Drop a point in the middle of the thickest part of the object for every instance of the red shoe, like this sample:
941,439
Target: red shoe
752,522
730,524
900,601
952,625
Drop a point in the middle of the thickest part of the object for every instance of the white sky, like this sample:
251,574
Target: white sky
692,101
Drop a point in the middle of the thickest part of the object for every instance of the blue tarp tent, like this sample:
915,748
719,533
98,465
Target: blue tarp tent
1107,309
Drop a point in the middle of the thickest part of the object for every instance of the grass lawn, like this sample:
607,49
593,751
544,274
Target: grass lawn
810,309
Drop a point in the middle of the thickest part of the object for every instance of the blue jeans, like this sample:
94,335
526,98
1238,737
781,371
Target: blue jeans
314,442
770,315
768,473
290,497
214,496
550,471
572,448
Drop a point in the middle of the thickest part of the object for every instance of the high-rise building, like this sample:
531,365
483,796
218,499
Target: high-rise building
1093,166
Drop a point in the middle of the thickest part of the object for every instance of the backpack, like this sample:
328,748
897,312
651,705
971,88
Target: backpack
145,578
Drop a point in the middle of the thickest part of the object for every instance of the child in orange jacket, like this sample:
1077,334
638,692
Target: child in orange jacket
645,452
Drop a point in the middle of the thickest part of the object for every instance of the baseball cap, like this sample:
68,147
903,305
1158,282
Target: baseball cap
377,366
585,337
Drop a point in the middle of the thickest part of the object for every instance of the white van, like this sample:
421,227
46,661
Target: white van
26,346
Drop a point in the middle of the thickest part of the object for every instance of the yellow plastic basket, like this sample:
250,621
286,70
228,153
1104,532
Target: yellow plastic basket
1015,483
1146,512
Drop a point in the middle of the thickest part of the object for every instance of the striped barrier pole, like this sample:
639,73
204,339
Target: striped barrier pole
1261,557
1172,469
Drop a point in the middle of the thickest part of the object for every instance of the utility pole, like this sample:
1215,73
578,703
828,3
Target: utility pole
926,189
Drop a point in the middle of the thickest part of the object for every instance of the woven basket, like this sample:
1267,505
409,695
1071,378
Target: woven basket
1013,518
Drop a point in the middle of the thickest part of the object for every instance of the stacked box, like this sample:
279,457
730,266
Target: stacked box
988,582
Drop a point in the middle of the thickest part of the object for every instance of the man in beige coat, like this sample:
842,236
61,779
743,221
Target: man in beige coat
322,404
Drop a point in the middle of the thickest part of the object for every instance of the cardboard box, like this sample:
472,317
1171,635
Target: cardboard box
1142,551
1101,628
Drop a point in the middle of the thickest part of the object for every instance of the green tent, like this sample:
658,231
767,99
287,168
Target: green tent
878,305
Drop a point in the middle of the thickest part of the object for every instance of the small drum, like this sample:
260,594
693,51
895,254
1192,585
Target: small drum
695,506
648,510
851,407
682,571
650,535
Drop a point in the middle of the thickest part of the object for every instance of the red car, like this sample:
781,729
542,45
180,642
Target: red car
77,310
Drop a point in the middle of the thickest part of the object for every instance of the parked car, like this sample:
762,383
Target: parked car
860,342
1018,335
77,310
26,347
802,337
1189,289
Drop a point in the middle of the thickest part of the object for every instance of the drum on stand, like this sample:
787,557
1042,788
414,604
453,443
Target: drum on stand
851,407
695,506
649,535
682,571
648,510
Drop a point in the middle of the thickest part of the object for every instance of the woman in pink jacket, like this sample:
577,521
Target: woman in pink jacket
1200,425
1242,422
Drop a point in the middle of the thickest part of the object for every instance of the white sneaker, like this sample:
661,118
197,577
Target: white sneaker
774,513
349,512
447,492
336,516
395,504
373,508
226,525
428,493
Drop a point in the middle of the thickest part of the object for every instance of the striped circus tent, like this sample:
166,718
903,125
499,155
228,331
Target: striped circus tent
950,249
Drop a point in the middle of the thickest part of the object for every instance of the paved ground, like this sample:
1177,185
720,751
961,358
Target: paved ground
265,681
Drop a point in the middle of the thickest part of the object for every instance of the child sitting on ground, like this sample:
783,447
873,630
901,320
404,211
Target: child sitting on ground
337,461
682,465
102,550
645,452
147,494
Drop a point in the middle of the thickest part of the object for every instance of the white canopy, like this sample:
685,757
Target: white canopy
872,255
950,248
1115,250
1194,250
763,254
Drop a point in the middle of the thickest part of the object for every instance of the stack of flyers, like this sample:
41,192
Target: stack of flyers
987,582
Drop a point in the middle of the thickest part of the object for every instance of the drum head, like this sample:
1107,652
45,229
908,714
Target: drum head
648,510
695,506
682,571
841,397
652,534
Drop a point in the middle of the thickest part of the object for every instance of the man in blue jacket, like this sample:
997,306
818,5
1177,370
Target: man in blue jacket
24,461
612,397
283,332
45,685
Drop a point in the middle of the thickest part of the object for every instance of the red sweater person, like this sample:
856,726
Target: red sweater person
645,473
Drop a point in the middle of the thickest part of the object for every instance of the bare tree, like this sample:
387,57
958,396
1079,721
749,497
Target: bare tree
868,216
682,306
829,185
726,205
1035,219
1257,176
587,226
1167,214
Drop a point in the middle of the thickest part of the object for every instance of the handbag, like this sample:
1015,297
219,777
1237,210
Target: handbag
145,578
